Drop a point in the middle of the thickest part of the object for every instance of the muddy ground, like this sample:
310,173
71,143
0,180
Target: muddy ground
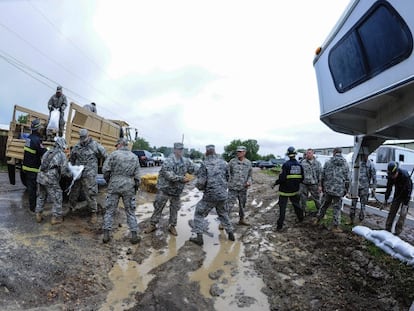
304,267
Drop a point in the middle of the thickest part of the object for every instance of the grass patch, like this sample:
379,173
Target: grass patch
271,171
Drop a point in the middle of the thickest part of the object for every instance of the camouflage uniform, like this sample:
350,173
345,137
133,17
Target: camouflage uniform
170,185
335,183
312,172
367,173
87,154
240,176
58,102
212,178
123,167
54,165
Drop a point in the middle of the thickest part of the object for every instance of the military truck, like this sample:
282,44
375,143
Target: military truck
104,131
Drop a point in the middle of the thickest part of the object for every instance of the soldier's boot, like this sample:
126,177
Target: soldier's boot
231,236
197,239
39,217
336,229
134,237
106,236
221,227
316,221
150,228
243,222
94,218
56,220
172,230
362,214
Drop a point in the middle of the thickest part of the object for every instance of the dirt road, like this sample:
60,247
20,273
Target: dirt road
305,267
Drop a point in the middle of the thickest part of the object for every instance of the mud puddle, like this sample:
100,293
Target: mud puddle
223,274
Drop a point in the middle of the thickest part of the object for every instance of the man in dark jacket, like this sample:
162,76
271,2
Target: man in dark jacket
402,193
33,152
289,182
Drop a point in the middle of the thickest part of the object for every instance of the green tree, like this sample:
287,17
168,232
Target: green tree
141,144
251,145
22,119
195,154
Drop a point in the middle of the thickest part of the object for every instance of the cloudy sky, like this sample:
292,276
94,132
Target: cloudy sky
209,71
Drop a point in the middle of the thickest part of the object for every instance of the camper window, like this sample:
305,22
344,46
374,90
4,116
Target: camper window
379,40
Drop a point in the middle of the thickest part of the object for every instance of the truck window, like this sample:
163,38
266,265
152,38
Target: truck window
384,155
378,41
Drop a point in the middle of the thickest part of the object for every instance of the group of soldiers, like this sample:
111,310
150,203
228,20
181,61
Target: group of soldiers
223,184
327,185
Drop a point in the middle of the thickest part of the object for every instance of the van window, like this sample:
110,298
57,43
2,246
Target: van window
378,41
384,155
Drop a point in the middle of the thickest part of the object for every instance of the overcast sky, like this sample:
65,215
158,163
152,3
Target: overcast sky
213,71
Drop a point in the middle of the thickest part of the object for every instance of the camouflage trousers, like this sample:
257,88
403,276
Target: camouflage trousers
241,197
54,193
336,202
395,206
89,188
363,194
313,190
202,210
160,201
111,205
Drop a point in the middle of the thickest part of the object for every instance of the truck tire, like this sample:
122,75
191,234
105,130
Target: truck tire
23,178
11,169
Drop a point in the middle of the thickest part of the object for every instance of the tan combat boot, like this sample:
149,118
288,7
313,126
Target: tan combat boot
94,218
39,217
150,228
56,220
172,230
243,222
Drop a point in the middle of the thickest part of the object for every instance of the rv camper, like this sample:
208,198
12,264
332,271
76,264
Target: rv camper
365,76
365,71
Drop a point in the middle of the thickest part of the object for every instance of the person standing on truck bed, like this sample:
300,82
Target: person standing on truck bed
87,153
54,165
58,101
33,152
91,107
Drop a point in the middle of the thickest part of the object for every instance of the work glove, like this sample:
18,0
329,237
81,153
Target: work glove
373,193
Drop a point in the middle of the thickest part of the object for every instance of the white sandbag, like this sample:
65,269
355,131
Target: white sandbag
362,231
405,249
54,120
381,235
392,240
401,257
387,249
76,170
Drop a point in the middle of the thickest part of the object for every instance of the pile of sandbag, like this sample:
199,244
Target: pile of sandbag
149,182
389,243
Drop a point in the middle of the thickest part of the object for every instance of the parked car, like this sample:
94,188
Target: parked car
158,158
145,158
271,163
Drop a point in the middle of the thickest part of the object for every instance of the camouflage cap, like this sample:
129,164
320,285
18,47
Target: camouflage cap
60,142
178,146
210,147
83,133
241,148
121,141
59,89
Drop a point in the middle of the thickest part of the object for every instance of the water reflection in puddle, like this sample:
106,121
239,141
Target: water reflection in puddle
237,280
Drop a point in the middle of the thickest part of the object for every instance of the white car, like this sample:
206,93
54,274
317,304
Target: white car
158,158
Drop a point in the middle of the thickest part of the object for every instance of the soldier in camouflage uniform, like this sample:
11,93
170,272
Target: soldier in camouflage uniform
170,184
87,153
54,165
367,174
335,183
240,180
212,178
58,101
311,184
121,172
